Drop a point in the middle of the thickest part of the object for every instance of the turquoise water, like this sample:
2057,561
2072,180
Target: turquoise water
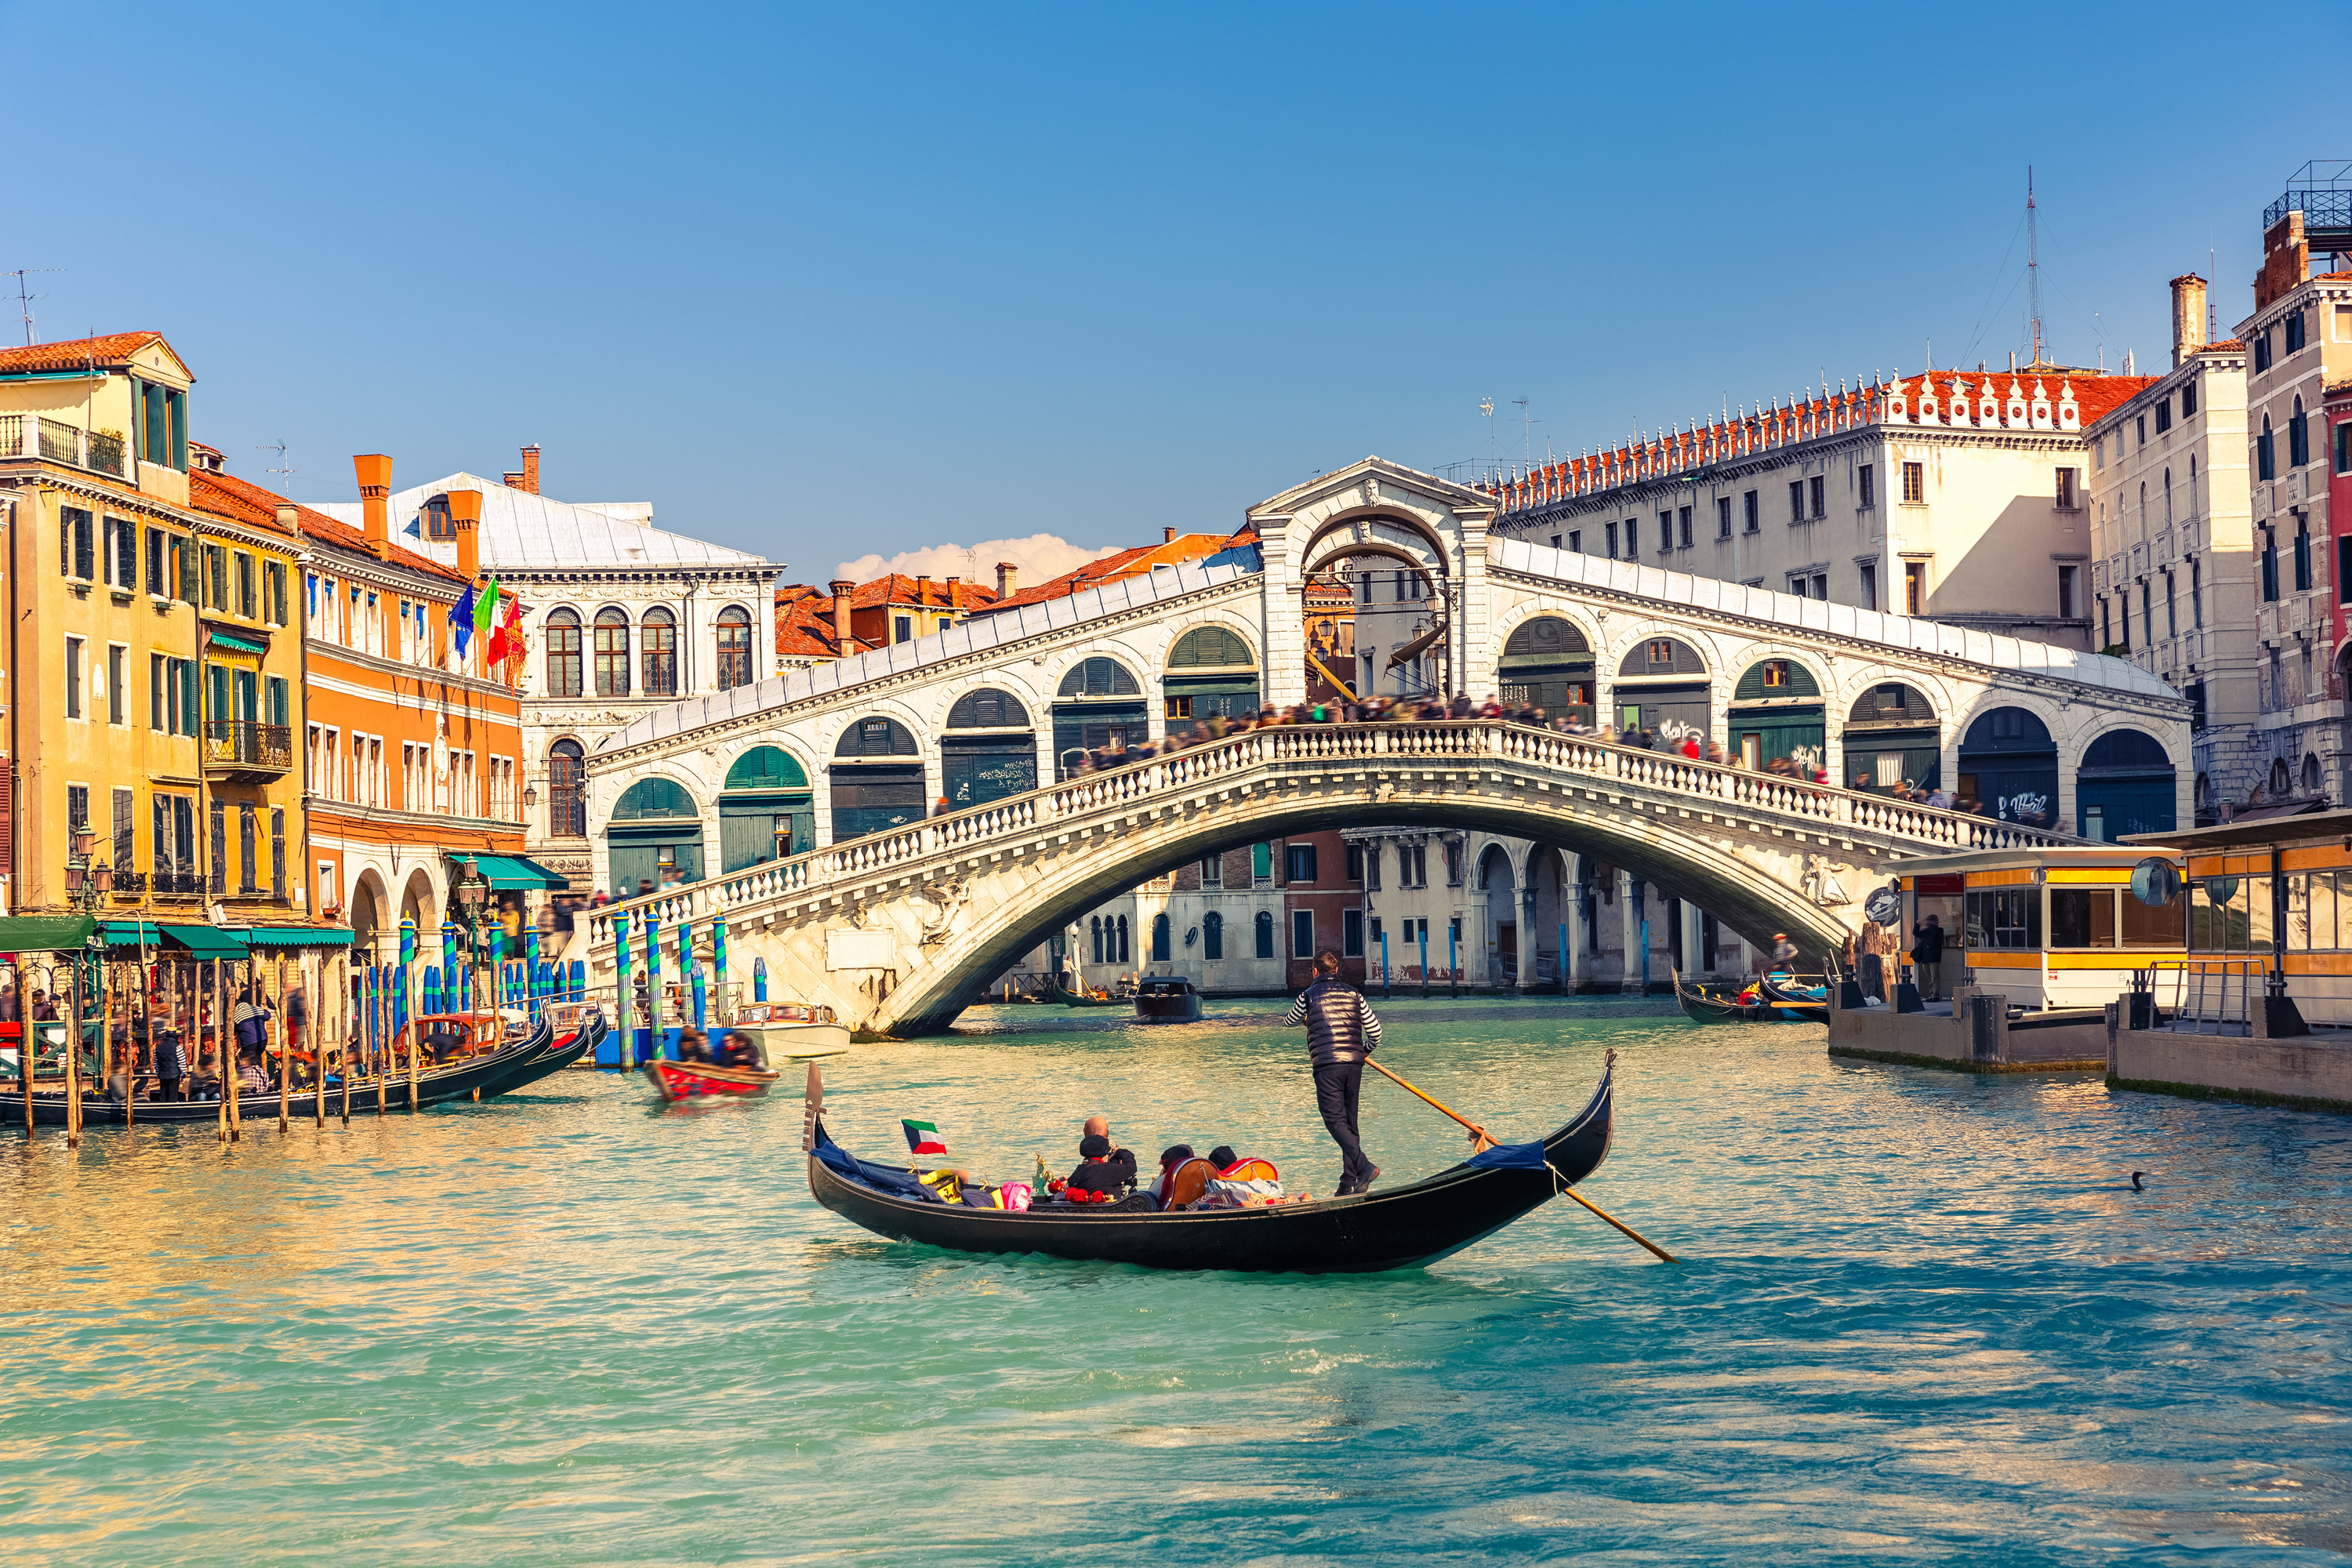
1923,1319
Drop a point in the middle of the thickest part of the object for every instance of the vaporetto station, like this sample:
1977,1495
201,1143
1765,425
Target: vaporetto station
900,928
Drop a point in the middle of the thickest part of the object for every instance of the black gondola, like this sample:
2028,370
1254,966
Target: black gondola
1166,1002
1399,1227
531,1055
1702,1008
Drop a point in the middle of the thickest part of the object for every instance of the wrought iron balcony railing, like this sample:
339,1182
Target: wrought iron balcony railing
244,743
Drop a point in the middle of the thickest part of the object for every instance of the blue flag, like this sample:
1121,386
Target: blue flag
461,622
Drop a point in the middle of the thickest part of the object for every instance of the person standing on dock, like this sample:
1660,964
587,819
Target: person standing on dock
1341,1033
1928,957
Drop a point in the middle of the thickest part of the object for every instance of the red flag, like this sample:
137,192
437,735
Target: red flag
506,640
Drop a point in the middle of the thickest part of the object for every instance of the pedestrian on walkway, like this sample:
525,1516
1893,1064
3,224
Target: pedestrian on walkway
1341,1034
1927,958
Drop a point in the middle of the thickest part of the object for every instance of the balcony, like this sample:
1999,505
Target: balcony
25,435
243,749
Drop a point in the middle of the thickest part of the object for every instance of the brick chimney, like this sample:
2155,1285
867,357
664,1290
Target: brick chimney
2286,260
465,522
289,518
2187,317
922,587
525,478
1007,574
374,471
1167,536
841,588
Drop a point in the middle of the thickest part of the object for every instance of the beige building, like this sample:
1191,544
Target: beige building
2298,341
2174,579
1957,496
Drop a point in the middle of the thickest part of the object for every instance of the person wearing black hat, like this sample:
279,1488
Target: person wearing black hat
1101,1168
1341,1034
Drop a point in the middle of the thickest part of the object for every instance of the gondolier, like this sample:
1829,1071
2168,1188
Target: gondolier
1341,1032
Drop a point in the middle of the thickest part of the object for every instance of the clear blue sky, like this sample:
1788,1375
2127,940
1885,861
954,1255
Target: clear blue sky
817,282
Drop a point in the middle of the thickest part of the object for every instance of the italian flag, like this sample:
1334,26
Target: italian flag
923,1138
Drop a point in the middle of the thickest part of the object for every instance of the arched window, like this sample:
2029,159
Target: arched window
2310,773
1263,928
1211,647
567,803
562,653
988,709
2265,454
2168,498
876,737
1547,664
1124,955
654,798
2192,484
2299,436
660,632
1099,677
734,648
1096,923
1213,936
1159,949
2282,781
612,653
765,810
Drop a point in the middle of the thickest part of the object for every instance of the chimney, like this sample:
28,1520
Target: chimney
2187,317
289,518
531,468
922,587
842,588
374,472
464,521
511,478
951,588
1007,574
1167,536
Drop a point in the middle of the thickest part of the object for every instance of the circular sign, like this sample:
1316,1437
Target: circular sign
1884,907
2154,881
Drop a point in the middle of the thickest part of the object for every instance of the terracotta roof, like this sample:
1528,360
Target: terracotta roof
241,500
897,589
111,349
804,626
1182,549
2094,392
2227,345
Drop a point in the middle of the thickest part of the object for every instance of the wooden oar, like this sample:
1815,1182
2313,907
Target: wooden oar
1481,1140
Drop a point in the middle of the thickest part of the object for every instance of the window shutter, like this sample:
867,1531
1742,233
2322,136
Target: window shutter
220,847
8,819
278,853
125,840
162,825
248,850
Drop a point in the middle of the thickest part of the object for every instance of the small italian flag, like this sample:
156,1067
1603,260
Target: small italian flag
923,1138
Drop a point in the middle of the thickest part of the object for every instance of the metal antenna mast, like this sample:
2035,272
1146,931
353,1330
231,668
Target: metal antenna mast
1487,407
1527,431
277,447
24,299
2033,266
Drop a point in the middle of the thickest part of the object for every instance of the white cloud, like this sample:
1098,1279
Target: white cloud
1040,557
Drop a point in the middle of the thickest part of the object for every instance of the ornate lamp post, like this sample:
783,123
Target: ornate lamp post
470,896
85,883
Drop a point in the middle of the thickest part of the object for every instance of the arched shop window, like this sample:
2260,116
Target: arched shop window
2009,761
1891,737
766,809
876,779
989,752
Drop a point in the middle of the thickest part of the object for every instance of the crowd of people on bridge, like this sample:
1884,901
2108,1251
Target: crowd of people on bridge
1117,752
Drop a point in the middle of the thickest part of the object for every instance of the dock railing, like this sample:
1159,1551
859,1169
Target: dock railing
2215,994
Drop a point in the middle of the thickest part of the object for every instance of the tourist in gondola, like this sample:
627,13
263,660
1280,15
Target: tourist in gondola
1341,1032
1102,1170
693,1046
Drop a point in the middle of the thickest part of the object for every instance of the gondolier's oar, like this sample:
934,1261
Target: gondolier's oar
1481,1140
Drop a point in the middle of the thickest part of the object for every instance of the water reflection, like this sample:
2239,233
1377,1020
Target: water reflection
1923,1317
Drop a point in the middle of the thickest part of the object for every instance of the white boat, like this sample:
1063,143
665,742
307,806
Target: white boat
790,1029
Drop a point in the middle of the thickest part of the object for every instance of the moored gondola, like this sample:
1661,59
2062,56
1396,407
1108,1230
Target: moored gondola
1794,1002
1069,999
1395,1227
1701,1009
521,1058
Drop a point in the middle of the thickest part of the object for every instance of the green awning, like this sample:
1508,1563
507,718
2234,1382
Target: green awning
282,937
131,933
45,933
237,644
516,873
204,942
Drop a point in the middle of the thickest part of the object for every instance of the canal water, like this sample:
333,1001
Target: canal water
1923,1319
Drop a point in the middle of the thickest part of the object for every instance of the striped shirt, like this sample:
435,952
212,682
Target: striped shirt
1341,1025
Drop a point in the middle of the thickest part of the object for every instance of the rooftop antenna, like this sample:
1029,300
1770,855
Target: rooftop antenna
277,447
1487,407
2211,329
25,301
1527,431
2033,266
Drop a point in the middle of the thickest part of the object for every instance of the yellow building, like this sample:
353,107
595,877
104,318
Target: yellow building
102,693
155,661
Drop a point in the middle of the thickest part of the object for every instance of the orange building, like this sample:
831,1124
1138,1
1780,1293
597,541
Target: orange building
411,750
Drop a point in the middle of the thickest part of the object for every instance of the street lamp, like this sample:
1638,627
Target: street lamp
85,883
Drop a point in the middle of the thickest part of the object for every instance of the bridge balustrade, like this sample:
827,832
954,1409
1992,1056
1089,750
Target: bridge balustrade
1306,747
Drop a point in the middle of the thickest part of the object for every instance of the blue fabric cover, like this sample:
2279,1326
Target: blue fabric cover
866,1174
1511,1157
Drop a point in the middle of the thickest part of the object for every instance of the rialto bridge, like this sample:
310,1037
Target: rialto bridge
796,807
